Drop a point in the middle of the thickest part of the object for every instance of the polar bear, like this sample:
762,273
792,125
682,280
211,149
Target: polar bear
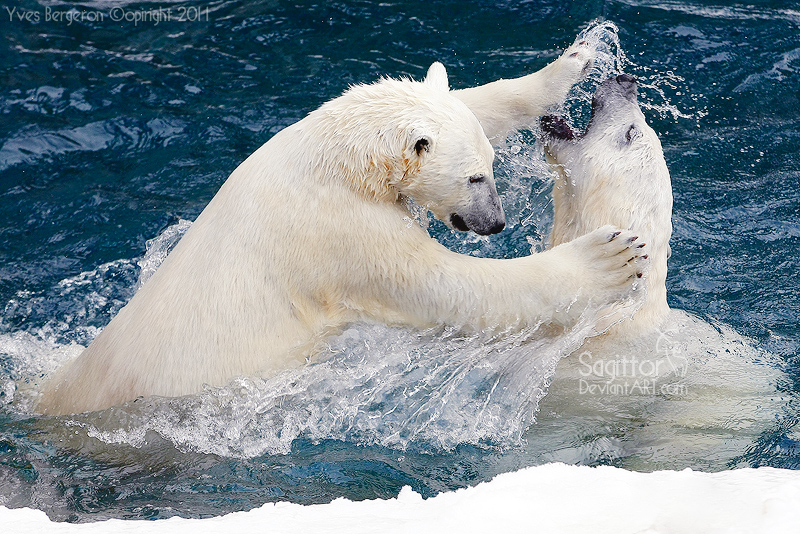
662,389
614,173
313,231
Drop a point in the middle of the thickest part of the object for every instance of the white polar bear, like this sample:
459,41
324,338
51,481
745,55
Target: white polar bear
313,231
615,173
662,389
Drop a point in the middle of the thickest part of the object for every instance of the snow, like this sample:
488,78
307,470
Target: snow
552,498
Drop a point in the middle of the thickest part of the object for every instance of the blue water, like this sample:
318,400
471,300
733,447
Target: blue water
114,131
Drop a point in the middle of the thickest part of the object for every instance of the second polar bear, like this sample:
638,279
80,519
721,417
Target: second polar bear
313,231
675,389
615,173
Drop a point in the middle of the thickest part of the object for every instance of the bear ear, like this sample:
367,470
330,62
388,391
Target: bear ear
437,77
422,144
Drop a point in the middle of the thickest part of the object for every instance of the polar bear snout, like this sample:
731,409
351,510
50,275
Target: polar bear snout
616,94
484,215
623,87
627,82
494,227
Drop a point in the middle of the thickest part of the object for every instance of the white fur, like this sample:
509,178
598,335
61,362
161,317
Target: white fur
311,232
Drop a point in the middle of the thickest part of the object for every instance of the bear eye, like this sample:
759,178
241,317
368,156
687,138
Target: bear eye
420,145
632,133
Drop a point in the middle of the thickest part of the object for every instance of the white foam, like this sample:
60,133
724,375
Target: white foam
29,357
690,394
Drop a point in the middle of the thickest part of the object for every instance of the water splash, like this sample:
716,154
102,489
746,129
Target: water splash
75,311
609,60
657,88
59,323
703,384
157,250
426,391
24,359
659,83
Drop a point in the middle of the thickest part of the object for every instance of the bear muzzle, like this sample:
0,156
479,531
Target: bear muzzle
485,215
622,87
481,228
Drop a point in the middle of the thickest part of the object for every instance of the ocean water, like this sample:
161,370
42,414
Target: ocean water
119,125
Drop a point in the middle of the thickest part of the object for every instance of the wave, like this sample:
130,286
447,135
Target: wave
30,145
748,12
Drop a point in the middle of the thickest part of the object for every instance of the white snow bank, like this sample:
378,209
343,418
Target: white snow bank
553,498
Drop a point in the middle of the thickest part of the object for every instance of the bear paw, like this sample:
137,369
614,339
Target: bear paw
577,61
611,264
563,73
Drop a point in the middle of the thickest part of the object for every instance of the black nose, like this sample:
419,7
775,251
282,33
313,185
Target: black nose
494,228
627,86
497,228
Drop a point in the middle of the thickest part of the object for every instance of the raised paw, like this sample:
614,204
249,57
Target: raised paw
578,60
563,73
616,260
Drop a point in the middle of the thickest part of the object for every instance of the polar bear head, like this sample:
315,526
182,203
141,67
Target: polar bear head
614,172
617,144
401,138
453,177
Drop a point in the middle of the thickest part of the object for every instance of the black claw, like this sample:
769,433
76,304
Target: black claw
642,245
632,239
638,275
614,236
645,257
